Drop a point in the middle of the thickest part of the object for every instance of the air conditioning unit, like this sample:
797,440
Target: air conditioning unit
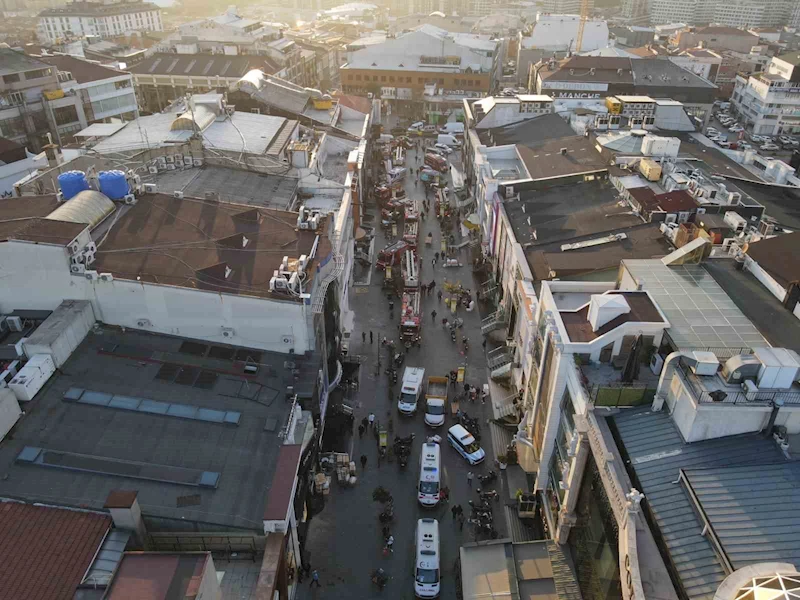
170,160
197,162
178,194
288,339
170,167
509,191
88,257
143,323
78,259
91,247
228,332
59,197
152,170
304,225
278,282
92,275
73,248
129,199
77,269
106,277
150,188
187,160
14,323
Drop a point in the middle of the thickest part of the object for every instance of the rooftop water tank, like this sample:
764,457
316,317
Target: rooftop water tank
113,184
72,182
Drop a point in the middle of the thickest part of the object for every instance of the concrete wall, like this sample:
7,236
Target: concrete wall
765,278
37,277
698,422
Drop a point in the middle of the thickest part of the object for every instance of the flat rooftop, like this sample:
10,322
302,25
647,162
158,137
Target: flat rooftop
743,484
206,241
171,458
164,576
641,241
561,213
700,312
561,157
529,132
233,185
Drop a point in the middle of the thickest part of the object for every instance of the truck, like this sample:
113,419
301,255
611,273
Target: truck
436,162
448,140
391,254
453,128
411,233
410,317
436,400
411,390
410,270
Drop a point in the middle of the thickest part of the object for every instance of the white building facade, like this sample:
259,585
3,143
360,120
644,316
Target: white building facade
79,19
769,102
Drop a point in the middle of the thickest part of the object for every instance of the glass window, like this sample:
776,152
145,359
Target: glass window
12,78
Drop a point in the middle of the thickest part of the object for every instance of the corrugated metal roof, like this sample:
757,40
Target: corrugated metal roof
753,510
657,452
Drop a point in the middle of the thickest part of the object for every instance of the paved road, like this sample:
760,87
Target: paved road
344,540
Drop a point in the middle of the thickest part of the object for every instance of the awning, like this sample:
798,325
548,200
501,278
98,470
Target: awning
472,222
100,130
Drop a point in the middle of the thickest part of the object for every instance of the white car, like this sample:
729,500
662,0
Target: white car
745,146
760,139
723,144
735,128
444,148
769,147
417,125
465,444
711,131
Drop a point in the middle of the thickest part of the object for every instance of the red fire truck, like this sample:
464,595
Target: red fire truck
412,210
410,270
410,317
436,162
411,233
391,254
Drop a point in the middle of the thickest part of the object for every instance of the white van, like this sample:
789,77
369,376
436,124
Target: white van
430,474
426,564
449,140
465,444
453,128
411,390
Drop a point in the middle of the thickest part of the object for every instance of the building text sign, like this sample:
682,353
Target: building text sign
575,86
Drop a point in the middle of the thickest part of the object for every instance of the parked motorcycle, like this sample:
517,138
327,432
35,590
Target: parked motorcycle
488,495
488,478
399,357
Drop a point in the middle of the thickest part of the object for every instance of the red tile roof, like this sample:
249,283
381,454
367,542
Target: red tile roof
280,492
44,552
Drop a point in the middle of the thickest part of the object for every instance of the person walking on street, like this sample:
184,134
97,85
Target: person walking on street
433,315
370,336
461,521
439,295
363,461
433,262
363,337
364,423
314,579
436,256
470,475
454,510
361,430
371,419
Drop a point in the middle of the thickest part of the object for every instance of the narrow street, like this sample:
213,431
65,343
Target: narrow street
344,541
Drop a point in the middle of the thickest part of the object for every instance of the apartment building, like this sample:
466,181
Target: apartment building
729,13
717,38
425,70
769,102
104,19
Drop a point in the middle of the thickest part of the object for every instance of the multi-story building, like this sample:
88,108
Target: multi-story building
636,11
163,78
58,95
716,38
426,70
769,102
102,19
731,13
564,7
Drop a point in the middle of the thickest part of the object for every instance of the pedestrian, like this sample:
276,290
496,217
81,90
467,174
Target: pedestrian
364,423
363,461
389,544
444,495
470,475
314,579
483,343
370,336
436,256
363,337
371,419
433,315
454,510
361,430
433,262
461,521
439,295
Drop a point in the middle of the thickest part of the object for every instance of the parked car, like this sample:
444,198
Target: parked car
744,146
711,131
769,147
443,148
735,128
723,144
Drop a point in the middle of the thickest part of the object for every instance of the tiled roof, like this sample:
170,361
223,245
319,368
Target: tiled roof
44,552
778,256
202,65
82,71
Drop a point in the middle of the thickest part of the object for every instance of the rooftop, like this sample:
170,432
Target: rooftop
158,576
750,523
45,552
82,71
529,132
720,30
548,160
93,9
202,65
233,185
642,310
700,312
669,202
781,203
562,213
666,73
203,447
12,61
641,241
206,245
779,256
25,219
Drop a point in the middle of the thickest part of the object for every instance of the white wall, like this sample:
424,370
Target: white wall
13,172
36,276
765,278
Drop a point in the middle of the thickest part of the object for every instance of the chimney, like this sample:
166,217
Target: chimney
127,514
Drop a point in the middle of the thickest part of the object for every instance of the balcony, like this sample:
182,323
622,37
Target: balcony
604,386
500,361
497,320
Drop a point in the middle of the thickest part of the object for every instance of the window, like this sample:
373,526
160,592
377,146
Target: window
13,78
65,115
349,77
391,78
37,74
383,78
419,80
358,78
408,79
441,81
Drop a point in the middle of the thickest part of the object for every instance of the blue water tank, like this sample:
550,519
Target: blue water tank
113,184
72,182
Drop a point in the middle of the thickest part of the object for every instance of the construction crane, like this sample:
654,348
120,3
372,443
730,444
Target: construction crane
582,25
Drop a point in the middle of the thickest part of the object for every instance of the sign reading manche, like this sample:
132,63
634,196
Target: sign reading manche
575,86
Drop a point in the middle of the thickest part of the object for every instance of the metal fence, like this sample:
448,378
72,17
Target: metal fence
759,398
620,396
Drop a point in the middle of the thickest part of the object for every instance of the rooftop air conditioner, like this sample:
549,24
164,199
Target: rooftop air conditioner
740,367
170,159
59,197
92,275
152,170
228,332
73,248
77,269
150,188
178,194
14,323
108,277
170,167
129,199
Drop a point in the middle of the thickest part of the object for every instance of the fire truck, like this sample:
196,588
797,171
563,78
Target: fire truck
436,162
411,233
410,270
410,316
391,254
442,204
412,210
